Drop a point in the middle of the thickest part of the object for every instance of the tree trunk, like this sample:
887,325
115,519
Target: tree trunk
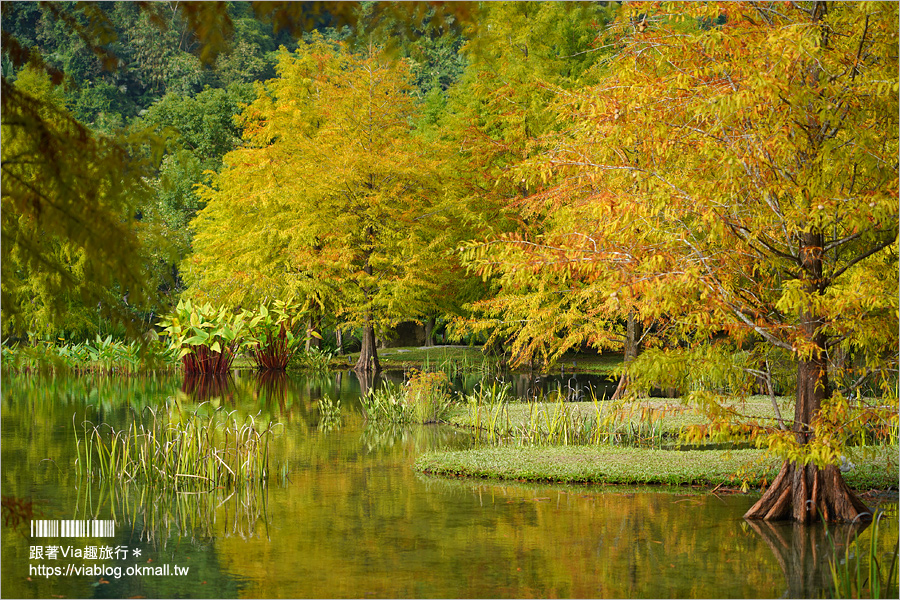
633,332
429,331
806,493
339,340
368,354
313,333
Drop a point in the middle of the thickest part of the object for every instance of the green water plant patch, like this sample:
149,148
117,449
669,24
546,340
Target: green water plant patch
424,398
314,359
873,467
101,356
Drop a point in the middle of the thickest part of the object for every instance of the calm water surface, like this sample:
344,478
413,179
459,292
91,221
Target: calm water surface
347,516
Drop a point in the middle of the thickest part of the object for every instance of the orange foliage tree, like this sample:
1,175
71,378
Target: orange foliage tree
734,173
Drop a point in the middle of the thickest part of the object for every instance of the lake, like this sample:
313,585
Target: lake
345,514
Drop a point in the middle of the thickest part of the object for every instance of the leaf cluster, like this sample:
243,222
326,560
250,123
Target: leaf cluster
206,338
68,229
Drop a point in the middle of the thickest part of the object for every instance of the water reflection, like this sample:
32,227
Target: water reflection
159,517
803,551
273,388
202,387
345,515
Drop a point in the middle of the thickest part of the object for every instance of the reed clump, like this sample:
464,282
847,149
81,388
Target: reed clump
496,417
172,448
857,572
424,398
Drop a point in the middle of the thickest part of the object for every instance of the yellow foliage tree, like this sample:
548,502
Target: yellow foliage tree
331,198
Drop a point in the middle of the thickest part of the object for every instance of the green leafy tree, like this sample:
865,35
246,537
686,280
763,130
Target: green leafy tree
128,52
519,53
68,230
431,43
199,130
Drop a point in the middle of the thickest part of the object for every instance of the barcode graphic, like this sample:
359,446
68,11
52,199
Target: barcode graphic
73,528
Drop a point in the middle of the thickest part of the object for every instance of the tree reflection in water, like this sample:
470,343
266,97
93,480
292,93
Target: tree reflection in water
202,387
803,551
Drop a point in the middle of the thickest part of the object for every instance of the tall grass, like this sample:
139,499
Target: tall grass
424,398
488,411
497,418
384,405
176,449
859,573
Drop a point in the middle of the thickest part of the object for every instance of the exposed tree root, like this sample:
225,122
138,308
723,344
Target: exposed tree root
806,494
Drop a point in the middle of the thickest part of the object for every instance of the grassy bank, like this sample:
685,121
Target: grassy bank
436,358
876,467
663,418
471,358
459,359
630,442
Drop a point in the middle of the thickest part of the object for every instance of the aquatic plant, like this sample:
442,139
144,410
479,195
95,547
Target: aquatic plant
383,405
273,335
859,573
206,338
178,449
485,406
497,418
100,356
329,414
424,398
426,395
315,359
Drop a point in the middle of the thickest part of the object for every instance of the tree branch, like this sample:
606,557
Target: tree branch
862,256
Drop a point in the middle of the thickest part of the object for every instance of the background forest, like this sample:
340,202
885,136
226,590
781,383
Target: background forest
538,177
134,78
